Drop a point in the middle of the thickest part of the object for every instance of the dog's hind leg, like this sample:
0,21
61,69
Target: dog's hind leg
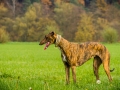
106,68
96,63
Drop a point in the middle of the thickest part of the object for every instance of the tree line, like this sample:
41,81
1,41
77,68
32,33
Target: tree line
29,20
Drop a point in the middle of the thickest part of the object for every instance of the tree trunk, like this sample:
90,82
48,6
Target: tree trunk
13,1
12,7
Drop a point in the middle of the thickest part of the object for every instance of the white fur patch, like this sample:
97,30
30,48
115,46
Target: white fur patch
98,82
58,40
64,58
63,55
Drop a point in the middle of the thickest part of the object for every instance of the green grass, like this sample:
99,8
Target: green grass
25,65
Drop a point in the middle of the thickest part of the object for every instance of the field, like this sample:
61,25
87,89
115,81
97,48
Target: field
24,65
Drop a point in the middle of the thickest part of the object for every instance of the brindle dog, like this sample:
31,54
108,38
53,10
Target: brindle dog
74,54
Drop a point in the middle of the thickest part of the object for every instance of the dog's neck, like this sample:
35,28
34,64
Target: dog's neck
58,38
61,42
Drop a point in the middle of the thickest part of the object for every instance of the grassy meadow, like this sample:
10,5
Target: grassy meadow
24,65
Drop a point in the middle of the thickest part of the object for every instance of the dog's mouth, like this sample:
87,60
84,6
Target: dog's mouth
47,45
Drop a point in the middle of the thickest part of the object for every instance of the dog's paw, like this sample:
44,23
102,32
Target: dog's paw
98,82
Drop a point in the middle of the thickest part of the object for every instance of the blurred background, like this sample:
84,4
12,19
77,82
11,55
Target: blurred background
75,20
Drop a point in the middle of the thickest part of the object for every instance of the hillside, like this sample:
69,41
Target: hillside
76,20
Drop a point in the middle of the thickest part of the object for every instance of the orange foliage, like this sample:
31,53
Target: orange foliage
81,2
102,5
46,2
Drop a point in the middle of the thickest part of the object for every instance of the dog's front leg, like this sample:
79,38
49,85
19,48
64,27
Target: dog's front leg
74,73
67,71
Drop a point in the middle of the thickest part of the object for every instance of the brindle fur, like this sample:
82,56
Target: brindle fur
74,54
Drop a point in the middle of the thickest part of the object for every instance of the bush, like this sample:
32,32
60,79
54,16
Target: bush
110,35
4,37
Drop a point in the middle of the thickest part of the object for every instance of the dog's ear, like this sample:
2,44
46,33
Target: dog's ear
52,33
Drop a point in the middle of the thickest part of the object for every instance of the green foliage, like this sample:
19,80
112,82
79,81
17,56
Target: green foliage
38,8
46,25
66,16
4,36
101,23
6,24
38,18
3,10
25,25
86,30
30,15
26,4
110,35
31,27
35,1
75,2
102,5
117,5
52,27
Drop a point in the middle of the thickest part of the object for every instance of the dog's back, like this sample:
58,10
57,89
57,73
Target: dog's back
90,50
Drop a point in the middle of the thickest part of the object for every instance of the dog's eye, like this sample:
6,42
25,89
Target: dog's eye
46,37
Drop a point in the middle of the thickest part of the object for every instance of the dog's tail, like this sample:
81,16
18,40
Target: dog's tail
112,70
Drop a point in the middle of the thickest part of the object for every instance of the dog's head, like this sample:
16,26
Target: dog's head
48,40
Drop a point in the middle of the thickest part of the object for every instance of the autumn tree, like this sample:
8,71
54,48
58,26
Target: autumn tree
99,24
4,36
67,16
102,5
86,30
3,11
5,19
31,27
23,25
109,18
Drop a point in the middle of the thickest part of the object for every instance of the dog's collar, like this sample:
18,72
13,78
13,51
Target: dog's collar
57,40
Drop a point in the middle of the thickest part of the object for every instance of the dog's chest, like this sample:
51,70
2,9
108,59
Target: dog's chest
63,55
